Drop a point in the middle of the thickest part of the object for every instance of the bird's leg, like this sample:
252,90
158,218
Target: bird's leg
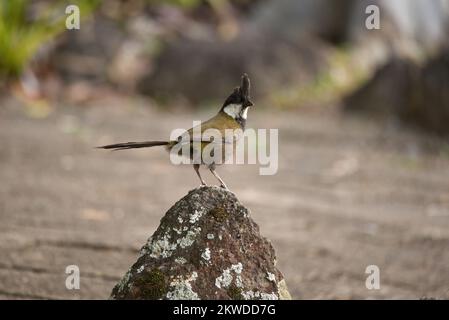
197,170
212,169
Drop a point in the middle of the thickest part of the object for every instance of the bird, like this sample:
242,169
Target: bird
231,116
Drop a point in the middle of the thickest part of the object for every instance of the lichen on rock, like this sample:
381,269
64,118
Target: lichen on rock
181,289
206,247
206,254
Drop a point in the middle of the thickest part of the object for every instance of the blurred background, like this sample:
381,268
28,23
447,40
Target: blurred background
363,119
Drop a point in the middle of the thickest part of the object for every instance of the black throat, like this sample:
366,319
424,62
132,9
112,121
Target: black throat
241,121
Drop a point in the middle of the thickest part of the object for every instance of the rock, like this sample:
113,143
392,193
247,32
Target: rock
206,247
415,94
387,91
429,97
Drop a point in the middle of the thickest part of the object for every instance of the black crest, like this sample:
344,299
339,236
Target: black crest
240,95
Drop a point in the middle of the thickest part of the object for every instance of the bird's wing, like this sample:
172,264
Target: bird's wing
210,129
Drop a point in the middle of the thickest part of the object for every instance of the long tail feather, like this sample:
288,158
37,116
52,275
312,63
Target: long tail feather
134,145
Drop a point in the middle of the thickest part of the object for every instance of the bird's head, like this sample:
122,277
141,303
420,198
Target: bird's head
238,102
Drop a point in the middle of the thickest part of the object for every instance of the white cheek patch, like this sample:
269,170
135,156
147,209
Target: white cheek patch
233,110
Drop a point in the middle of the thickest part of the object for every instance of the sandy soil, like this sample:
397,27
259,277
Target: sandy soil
348,194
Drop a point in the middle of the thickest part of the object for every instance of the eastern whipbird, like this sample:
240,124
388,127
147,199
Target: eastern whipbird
232,116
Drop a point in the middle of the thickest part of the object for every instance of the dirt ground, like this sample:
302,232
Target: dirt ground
349,193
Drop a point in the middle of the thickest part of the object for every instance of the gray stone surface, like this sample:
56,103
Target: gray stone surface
206,247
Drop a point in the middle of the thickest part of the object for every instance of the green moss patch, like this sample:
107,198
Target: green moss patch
220,214
234,292
152,284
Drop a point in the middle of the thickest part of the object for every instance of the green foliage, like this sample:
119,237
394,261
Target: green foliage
21,36
341,77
